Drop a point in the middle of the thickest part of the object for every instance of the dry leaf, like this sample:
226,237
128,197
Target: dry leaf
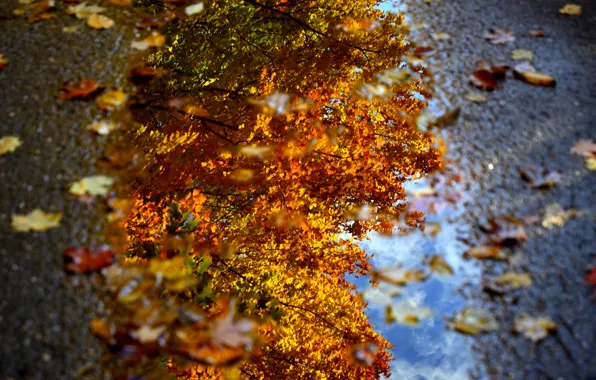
521,54
71,29
526,72
484,252
93,185
499,36
84,260
241,175
407,312
80,90
571,10
3,62
155,40
539,177
591,163
440,36
473,321
535,329
584,148
97,21
125,3
110,100
536,33
514,280
83,10
555,215
194,9
475,97
440,266
9,144
102,127
399,275
504,229
36,220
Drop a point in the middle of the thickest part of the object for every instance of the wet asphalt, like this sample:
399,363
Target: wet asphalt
45,314
522,125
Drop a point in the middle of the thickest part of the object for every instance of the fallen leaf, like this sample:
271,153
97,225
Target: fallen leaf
440,36
9,144
504,229
36,220
512,280
438,265
485,75
84,260
424,51
399,275
144,72
584,148
499,36
155,40
71,29
80,90
475,97
83,10
555,215
535,329
571,10
526,72
521,54
147,23
37,11
3,62
473,321
591,163
591,277
536,33
407,312
97,21
484,252
194,9
93,185
102,127
125,3
110,100
539,177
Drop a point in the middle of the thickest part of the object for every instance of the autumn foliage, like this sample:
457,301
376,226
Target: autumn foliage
273,136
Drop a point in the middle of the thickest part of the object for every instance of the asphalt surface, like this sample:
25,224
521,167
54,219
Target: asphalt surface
523,125
45,314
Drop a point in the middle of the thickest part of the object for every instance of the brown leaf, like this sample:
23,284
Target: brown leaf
584,148
499,36
84,260
83,89
509,281
483,80
37,11
536,33
438,265
539,177
146,23
484,252
144,72
424,51
504,230
124,3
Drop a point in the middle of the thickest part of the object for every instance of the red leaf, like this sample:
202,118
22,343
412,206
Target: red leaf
591,277
80,90
84,260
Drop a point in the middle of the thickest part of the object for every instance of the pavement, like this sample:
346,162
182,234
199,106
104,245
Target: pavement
45,314
522,125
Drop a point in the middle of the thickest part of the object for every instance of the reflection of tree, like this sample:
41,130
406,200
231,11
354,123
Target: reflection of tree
258,137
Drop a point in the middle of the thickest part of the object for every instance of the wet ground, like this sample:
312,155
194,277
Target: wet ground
44,315
520,125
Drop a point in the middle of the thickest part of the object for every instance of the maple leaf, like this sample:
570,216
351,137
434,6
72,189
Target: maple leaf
93,185
571,10
9,144
111,100
85,260
521,54
438,265
3,62
499,36
154,40
36,220
584,148
82,89
83,10
535,329
473,321
102,127
97,21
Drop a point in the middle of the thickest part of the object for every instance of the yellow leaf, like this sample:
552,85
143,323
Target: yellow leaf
473,321
591,163
155,40
440,266
83,10
535,329
36,220
102,127
514,280
521,54
93,185
571,10
110,100
9,144
486,252
475,97
97,21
